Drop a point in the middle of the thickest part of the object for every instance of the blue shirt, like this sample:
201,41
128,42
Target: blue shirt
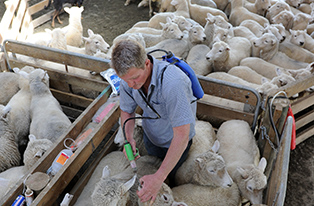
171,96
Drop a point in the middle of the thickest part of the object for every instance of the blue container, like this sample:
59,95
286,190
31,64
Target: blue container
19,201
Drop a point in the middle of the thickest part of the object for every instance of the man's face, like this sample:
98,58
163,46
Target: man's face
136,77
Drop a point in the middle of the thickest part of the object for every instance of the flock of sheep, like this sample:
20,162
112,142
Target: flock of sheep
264,44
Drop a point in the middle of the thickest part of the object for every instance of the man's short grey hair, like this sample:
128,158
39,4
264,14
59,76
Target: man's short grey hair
127,54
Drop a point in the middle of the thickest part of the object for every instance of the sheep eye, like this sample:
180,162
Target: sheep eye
250,188
220,50
165,198
97,42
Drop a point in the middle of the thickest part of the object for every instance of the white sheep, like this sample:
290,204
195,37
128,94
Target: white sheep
224,56
296,52
180,48
35,149
199,195
259,7
93,43
19,115
58,39
241,154
302,39
277,29
183,23
74,30
268,46
254,26
47,118
303,74
9,86
206,169
170,30
10,177
239,13
301,21
199,13
40,38
276,8
285,17
197,59
261,66
282,79
9,152
246,73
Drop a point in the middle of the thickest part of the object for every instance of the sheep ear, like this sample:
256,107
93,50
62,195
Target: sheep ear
162,25
199,160
262,164
87,39
31,137
292,72
67,10
264,80
105,172
90,32
310,67
168,20
174,2
6,110
278,71
216,146
127,186
242,172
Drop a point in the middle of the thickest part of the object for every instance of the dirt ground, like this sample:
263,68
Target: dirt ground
110,18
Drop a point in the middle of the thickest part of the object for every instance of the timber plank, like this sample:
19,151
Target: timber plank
302,103
305,134
304,119
37,7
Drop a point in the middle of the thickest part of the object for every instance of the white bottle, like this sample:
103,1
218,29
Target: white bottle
59,161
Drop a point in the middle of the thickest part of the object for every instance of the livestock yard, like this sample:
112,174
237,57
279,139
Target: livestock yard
75,81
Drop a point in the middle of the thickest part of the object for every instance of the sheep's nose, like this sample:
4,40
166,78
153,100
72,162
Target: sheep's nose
204,38
208,58
301,43
229,185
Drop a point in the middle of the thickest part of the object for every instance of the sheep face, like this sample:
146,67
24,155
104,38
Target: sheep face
171,30
219,52
95,42
297,37
212,170
197,35
182,22
253,182
266,42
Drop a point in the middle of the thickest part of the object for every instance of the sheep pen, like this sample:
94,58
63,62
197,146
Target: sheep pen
102,16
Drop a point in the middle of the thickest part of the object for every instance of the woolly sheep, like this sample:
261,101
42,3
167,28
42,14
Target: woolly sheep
10,177
9,153
206,169
199,195
246,73
224,56
282,79
254,26
301,21
40,38
170,30
74,30
111,161
197,59
19,115
259,7
35,149
277,29
301,38
276,8
302,74
58,39
285,17
183,23
47,118
241,154
180,48
93,43
296,52
268,46
239,13
9,86
199,13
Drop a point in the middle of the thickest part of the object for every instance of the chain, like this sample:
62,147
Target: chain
264,134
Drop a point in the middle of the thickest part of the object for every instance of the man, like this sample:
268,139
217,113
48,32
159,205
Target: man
164,93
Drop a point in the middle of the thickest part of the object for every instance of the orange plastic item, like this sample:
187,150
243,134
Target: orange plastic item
81,138
104,112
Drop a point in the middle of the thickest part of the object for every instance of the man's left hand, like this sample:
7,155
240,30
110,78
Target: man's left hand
151,185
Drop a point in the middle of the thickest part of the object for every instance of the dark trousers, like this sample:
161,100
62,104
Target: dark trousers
161,153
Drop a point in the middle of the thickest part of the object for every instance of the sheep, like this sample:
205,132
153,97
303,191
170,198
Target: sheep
20,113
277,29
74,30
301,21
93,43
58,39
180,48
35,150
199,195
111,161
296,52
199,13
170,30
254,26
47,118
259,7
302,74
285,17
9,86
40,38
239,13
197,59
276,8
224,56
207,169
268,46
261,66
282,79
241,154
9,153
183,23
246,73
10,177
301,38
181,7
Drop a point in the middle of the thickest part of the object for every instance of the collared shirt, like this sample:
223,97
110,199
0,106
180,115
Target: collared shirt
170,95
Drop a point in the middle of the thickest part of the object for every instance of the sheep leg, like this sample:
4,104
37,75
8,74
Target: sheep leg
127,2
